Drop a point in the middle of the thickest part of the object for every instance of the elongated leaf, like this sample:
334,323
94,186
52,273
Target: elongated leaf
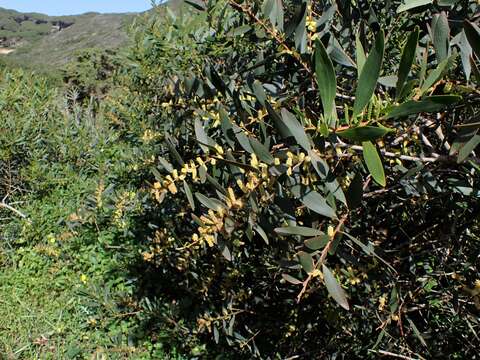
242,139
298,230
473,35
339,55
259,92
466,53
316,202
434,76
261,151
296,129
412,4
334,187
188,192
406,62
334,288
197,4
306,261
355,192
279,124
441,36
202,136
360,53
428,104
326,80
210,203
370,74
467,148
291,279
374,163
369,250
317,242
417,332
273,9
364,133
261,232
301,30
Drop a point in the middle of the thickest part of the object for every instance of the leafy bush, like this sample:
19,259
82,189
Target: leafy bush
307,150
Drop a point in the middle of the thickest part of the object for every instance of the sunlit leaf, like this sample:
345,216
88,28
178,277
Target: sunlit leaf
298,230
326,80
316,202
406,62
369,77
364,133
291,279
296,129
412,4
441,36
428,104
374,163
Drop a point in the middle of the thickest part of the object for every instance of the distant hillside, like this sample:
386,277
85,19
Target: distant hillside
39,40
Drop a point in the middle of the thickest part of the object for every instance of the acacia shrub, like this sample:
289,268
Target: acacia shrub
294,161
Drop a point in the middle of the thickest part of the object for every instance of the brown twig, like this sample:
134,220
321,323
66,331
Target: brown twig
323,256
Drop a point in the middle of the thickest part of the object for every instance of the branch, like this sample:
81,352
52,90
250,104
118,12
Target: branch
17,212
434,157
323,256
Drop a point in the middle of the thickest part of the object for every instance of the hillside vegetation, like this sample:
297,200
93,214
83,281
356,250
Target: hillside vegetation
277,180
42,41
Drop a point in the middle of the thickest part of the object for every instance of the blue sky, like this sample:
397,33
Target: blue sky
72,7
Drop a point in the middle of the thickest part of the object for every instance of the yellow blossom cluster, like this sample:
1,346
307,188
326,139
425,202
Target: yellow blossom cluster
123,201
149,136
295,161
213,223
168,184
99,194
159,242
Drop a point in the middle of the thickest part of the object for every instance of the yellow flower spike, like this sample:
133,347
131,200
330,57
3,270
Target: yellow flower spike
210,239
213,162
219,149
175,174
254,161
289,162
331,232
172,188
194,173
277,162
83,278
301,157
265,174
231,194
382,301
316,273
289,171
241,185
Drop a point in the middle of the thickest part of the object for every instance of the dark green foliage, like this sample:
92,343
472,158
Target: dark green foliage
228,87
262,197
